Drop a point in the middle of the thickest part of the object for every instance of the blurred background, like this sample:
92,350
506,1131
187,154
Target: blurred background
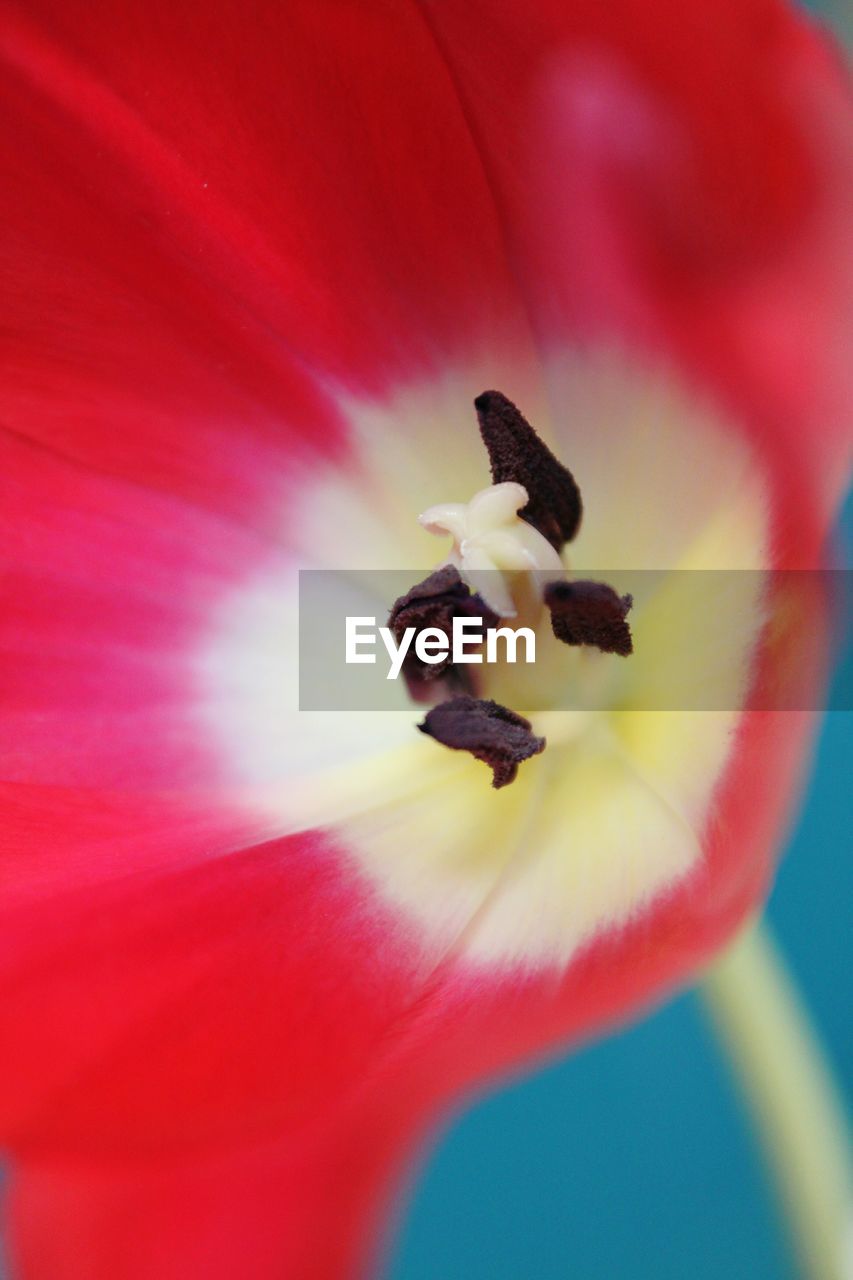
634,1157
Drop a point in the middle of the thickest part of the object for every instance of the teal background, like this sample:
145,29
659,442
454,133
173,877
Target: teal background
634,1158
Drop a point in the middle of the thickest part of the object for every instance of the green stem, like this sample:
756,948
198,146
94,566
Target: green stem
792,1098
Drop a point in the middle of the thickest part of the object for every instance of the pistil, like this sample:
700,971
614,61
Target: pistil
491,541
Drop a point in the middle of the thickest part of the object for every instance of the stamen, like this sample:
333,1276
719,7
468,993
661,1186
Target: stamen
590,613
492,733
516,453
435,602
506,549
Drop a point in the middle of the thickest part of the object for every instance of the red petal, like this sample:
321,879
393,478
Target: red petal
306,1208
681,179
222,213
210,1003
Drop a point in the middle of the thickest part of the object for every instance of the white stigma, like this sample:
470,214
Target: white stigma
490,541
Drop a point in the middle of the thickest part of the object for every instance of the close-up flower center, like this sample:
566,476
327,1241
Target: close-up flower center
505,563
599,736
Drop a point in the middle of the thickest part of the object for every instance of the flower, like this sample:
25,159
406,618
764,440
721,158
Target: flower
261,263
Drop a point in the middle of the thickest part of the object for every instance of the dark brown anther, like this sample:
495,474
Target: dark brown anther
435,602
590,613
516,453
492,733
